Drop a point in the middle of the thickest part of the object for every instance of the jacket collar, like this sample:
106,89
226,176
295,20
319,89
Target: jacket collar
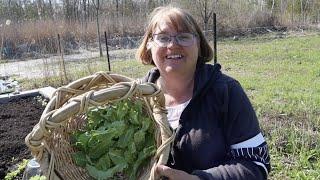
205,74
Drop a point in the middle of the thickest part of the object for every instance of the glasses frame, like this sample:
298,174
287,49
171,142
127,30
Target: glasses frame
175,37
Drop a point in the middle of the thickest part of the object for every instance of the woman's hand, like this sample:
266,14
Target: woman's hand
174,174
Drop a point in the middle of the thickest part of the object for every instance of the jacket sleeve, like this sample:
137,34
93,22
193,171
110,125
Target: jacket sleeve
248,156
152,76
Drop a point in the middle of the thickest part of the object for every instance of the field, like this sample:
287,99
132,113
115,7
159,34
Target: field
281,78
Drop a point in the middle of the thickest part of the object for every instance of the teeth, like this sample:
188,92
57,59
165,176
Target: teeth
173,56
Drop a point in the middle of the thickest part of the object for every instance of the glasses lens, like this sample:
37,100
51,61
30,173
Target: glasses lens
185,39
162,40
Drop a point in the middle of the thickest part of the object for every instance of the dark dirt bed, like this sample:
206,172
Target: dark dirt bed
17,118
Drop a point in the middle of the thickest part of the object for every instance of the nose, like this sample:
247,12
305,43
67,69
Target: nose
173,42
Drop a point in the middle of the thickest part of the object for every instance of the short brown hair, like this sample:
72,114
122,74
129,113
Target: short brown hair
177,17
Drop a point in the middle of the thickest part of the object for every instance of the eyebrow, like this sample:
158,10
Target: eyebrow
164,31
178,32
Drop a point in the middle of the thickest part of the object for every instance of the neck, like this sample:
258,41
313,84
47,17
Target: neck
177,90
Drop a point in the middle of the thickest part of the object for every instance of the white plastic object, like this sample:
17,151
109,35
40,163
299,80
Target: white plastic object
32,169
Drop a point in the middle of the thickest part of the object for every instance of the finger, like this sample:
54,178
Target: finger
165,171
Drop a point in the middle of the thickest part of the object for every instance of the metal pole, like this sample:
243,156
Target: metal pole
105,37
215,38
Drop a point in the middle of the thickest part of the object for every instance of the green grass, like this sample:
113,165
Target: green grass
281,78
281,75
5,61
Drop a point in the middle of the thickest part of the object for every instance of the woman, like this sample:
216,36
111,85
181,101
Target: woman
217,131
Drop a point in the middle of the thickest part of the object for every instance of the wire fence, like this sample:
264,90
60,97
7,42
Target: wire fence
31,50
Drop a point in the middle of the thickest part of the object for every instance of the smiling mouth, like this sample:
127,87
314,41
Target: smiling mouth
174,56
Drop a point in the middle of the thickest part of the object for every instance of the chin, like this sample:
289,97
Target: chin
171,69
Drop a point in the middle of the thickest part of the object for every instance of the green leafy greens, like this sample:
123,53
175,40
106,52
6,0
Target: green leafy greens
118,138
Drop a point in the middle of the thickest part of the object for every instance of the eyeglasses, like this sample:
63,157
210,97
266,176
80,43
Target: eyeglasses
183,39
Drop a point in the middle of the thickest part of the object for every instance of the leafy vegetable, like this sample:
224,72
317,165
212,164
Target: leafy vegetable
14,173
38,177
118,138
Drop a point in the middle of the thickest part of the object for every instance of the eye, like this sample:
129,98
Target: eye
185,36
162,37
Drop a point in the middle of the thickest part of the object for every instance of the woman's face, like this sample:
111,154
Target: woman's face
174,58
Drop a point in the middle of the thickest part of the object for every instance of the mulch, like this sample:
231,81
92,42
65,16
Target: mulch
17,118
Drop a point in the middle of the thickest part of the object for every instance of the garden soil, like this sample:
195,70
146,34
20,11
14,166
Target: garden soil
17,119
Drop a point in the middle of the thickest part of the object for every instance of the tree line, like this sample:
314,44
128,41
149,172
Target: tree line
38,21
117,13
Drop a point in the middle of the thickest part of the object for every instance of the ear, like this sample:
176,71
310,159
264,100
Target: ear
149,45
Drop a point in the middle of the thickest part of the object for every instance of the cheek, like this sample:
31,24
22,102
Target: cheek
152,52
155,53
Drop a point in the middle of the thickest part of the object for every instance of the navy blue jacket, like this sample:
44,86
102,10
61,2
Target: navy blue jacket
218,136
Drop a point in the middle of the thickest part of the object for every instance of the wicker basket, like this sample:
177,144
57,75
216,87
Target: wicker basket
49,140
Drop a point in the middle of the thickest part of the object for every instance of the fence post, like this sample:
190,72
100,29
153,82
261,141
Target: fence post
62,64
105,37
215,38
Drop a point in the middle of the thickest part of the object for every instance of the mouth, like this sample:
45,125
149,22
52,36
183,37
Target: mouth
174,57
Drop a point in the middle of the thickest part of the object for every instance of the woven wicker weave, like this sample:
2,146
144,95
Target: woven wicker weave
49,139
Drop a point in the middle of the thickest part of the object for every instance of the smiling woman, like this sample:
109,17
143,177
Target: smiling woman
217,131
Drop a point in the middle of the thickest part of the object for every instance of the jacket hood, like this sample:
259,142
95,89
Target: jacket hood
205,74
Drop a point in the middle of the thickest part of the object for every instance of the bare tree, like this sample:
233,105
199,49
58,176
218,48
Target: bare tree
84,14
51,11
67,10
97,6
117,9
40,9
204,12
304,8
272,7
292,12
